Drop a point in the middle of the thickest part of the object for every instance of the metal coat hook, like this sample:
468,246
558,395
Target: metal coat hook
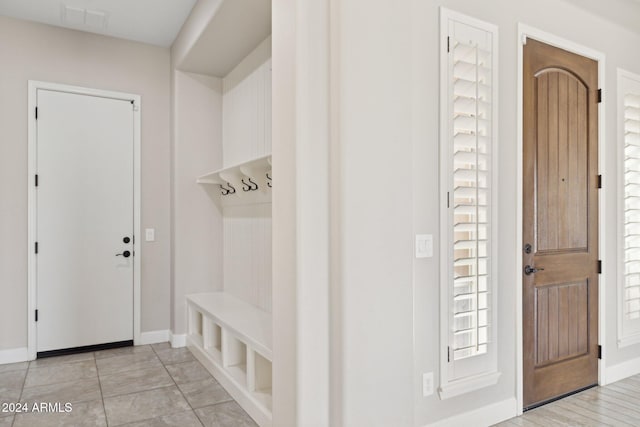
269,180
245,186
226,191
255,186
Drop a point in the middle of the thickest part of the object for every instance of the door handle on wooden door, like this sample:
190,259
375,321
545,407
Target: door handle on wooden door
531,270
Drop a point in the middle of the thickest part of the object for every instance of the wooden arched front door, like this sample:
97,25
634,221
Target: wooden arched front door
560,222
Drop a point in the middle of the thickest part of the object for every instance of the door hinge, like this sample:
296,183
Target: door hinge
599,267
599,352
448,46
36,180
447,199
448,354
36,113
599,181
36,315
36,247
599,96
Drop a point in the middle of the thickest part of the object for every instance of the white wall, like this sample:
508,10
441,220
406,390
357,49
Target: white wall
40,52
196,218
246,135
375,212
285,363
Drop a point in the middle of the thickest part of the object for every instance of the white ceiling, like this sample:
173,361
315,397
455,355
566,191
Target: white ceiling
155,22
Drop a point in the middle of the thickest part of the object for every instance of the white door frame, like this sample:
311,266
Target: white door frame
32,207
525,31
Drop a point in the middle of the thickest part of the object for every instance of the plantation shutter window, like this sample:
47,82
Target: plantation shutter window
629,122
468,177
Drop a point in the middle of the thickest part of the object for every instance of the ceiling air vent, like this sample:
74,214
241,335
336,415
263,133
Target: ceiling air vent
87,19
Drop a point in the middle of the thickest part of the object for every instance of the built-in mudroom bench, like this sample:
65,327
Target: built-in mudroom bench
232,339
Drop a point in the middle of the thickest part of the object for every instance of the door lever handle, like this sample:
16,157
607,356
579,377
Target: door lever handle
125,254
531,270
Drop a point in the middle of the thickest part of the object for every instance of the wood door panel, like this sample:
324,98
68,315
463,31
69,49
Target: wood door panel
562,162
560,222
561,322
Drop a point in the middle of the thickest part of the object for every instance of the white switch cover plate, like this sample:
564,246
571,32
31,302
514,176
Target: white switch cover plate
427,384
150,234
424,245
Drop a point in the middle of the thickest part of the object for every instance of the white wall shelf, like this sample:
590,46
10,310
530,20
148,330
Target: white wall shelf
255,169
244,183
233,340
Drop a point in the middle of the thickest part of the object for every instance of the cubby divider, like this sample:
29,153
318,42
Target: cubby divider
262,370
195,325
234,357
213,339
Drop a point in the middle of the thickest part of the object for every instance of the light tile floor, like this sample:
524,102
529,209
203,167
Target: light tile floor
143,386
615,404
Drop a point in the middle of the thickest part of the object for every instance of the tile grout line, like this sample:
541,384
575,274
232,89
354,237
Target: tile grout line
570,408
624,406
177,386
159,388
104,407
590,412
231,399
24,382
126,394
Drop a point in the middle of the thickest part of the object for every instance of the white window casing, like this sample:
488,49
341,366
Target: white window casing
629,208
468,175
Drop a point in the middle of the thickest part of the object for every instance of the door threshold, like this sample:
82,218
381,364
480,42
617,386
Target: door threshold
562,396
84,349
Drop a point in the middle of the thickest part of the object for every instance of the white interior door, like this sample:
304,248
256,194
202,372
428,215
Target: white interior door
85,214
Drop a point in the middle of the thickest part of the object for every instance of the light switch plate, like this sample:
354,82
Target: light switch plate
424,245
427,384
150,234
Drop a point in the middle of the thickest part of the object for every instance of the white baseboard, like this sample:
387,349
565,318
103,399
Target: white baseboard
14,355
622,370
485,416
154,337
178,341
